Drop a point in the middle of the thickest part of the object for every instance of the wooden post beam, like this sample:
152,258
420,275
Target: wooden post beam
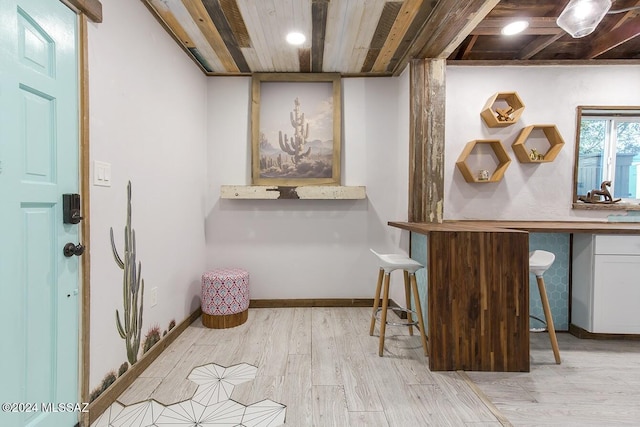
426,155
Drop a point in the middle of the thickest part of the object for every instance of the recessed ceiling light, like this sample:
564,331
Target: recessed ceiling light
515,28
295,38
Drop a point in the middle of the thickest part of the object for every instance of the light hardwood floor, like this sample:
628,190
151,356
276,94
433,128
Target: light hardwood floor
323,366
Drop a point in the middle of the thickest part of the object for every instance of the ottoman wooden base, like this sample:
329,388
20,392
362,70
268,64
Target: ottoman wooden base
225,321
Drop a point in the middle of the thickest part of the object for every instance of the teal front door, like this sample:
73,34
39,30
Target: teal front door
39,302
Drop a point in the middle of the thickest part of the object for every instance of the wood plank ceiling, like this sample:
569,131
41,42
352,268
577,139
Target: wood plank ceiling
379,37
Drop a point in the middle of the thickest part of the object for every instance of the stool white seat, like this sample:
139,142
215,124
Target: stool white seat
389,263
539,262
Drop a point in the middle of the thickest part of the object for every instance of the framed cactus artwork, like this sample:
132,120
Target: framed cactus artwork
296,129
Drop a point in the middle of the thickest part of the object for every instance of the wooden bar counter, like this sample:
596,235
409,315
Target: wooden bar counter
478,289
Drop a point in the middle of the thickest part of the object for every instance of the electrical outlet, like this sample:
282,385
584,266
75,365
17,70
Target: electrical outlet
153,297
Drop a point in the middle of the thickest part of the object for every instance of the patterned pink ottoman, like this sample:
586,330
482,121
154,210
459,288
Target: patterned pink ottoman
225,298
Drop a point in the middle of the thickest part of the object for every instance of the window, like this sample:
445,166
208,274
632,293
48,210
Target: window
608,149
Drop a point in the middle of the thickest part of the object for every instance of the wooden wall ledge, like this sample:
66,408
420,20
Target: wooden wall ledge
604,206
310,192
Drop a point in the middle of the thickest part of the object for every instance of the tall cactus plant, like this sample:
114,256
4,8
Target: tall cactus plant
295,146
132,288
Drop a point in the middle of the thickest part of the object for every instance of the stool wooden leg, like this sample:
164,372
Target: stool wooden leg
423,332
376,301
407,296
383,317
547,316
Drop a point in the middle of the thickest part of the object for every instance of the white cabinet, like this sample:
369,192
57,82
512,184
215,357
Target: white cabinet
606,283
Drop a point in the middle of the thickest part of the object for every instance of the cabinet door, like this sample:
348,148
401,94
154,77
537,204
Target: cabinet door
616,299
582,281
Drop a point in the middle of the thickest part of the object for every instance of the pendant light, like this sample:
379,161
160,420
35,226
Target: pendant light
580,17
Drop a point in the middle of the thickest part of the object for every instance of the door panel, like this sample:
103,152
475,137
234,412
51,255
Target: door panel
36,49
40,288
39,305
38,112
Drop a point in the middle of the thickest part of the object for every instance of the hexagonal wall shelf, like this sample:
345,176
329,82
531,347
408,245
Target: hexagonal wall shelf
526,155
502,109
498,150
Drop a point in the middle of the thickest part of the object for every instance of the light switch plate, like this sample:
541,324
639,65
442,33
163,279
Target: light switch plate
101,174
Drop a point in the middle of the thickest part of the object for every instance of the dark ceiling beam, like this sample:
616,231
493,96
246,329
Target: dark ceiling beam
215,12
538,45
539,26
448,31
409,10
304,59
541,43
498,23
543,62
424,10
466,50
387,18
202,19
319,11
448,25
612,39
238,26
531,31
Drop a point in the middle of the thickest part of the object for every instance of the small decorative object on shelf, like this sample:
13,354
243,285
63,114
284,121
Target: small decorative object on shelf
483,176
535,156
533,132
502,109
504,114
600,196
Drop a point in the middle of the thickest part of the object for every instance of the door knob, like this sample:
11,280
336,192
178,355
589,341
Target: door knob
70,249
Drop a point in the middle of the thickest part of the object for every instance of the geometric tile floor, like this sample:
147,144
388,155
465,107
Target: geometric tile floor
210,405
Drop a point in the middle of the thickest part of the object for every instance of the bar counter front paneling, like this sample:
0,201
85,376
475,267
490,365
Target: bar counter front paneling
478,301
478,289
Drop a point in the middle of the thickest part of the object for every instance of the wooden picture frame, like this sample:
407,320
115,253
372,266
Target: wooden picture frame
296,129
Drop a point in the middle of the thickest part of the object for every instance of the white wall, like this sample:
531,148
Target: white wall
551,95
147,118
310,248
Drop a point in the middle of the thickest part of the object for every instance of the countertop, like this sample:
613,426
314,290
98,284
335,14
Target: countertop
593,227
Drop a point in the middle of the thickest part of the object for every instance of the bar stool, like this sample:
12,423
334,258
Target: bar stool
539,262
388,263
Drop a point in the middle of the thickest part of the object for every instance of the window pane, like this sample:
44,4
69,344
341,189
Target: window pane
626,184
590,160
